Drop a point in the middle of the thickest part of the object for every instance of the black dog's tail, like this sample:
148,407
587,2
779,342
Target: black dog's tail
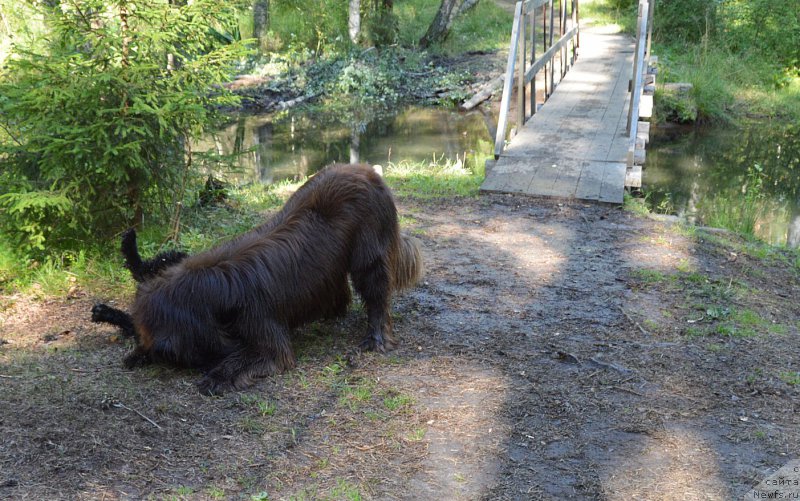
143,270
133,261
408,265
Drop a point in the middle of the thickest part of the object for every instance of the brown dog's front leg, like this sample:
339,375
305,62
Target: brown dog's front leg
137,358
263,352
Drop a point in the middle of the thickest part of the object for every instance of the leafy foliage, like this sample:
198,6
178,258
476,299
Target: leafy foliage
96,120
766,27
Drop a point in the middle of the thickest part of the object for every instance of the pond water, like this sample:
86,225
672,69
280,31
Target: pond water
745,178
274,147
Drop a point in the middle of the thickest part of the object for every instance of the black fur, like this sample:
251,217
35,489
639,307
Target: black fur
144,270
230,310
113,316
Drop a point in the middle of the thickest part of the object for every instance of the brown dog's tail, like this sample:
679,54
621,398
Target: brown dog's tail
408,264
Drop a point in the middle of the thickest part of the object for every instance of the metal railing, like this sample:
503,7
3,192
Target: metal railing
641,60
523,39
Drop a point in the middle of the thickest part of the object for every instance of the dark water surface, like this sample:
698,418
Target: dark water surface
292,145
745,178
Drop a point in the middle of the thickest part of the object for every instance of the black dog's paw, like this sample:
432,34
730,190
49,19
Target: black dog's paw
210,386
101,313
136,359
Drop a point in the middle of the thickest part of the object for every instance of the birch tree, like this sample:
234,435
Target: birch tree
448,12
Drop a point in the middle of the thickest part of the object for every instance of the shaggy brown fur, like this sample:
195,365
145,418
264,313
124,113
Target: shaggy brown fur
230,310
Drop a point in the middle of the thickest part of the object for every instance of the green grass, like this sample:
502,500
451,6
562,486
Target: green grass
416,435
602,12
649,276
215,493
636,205
485,27
356,394
346,490
728,85
395,402
791,378
265,407
435,179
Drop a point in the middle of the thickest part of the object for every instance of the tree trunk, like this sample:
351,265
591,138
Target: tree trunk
448,12
793,232
260,21
355,146
354,20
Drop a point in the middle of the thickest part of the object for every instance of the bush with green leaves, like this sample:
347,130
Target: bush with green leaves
768,28
96,115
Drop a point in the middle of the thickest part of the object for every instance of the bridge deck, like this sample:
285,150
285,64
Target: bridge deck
576,145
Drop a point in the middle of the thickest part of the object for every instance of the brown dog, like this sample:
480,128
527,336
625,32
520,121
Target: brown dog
230,310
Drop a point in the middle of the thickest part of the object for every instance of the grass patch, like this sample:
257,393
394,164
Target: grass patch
636,205
416,435
356,394
346,490
215,493
792,378
728,85
396,402
434,179
649,276
264,406
485,27
614,14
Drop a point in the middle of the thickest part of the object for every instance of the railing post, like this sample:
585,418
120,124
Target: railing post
552,66
521,72
533,60
517,56
508,84
544,46
650,14
638,62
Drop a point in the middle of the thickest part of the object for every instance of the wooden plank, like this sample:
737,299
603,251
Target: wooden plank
646,107
612,189
639,156
531,5
633,177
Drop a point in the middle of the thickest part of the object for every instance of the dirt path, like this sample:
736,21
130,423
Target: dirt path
555,350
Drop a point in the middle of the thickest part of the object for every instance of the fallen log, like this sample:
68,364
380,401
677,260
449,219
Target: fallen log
483,94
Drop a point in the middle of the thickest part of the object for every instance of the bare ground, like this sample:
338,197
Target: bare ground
555,350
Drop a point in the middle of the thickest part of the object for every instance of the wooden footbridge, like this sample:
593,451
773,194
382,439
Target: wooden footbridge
578,132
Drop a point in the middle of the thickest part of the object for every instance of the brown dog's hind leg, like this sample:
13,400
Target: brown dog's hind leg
372,284
264,351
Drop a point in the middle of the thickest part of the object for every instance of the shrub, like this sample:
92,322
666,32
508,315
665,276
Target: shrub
95,121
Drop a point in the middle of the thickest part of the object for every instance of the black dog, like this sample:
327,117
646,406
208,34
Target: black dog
230,310
141,270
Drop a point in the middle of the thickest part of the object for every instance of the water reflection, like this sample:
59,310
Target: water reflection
746,179
292,145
